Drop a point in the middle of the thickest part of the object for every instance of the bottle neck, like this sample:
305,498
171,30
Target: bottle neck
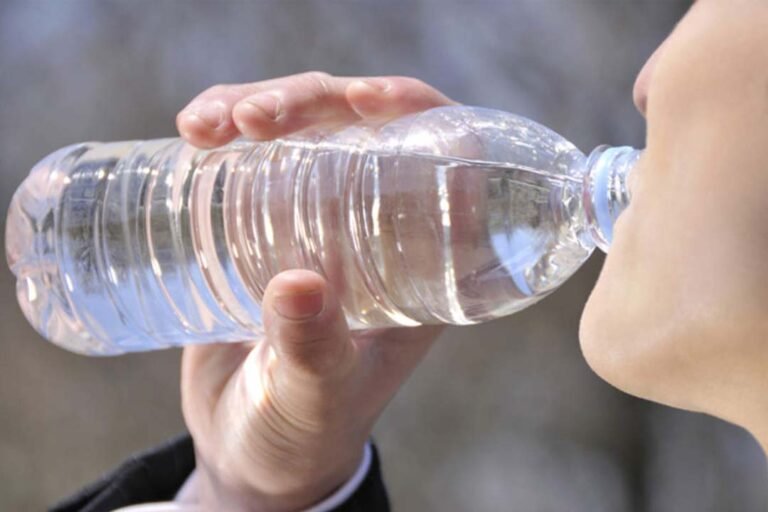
606,189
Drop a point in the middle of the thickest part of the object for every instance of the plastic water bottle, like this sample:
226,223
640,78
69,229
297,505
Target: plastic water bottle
454,215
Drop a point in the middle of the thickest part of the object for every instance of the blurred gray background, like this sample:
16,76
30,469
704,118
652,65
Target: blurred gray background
503,416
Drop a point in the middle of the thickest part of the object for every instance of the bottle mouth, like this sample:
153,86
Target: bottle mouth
606,191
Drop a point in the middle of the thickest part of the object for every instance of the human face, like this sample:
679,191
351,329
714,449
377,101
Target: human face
678,314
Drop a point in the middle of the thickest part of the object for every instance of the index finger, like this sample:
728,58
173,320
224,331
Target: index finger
274,108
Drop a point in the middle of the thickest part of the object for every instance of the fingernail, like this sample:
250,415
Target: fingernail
212,114
300,306
376,84
265,105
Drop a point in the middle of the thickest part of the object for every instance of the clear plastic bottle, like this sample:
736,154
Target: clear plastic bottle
454,215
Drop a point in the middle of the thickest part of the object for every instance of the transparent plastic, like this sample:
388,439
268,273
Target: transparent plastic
455,215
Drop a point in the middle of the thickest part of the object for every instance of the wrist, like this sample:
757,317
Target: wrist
295,491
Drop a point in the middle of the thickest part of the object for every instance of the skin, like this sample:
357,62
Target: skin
677,315
282,423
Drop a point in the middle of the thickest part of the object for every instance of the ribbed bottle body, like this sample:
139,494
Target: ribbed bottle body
455,215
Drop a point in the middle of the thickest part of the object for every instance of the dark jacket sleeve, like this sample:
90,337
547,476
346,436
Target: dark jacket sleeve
157,475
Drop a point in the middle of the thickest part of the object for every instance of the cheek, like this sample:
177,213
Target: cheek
681,300
634,308
682,297
685,261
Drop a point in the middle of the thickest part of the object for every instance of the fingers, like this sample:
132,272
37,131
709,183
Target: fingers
263,110
274,108
296,103
305,325
393,96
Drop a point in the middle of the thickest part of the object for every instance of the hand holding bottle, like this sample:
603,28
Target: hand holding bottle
453,215
278,425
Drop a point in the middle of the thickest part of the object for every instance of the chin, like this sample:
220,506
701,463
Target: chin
597,343
626,343
612,339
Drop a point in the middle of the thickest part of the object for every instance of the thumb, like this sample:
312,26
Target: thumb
305,325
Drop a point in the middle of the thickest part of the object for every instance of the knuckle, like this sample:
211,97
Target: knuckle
312,352
316,363
412,84
181,116
214,91
316,75
303,336
417,83
217,89
318,83
419,93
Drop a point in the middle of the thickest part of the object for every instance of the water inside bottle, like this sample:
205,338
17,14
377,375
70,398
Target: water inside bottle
479,239
141,245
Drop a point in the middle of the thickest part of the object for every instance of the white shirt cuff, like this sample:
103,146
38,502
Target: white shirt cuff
346,491
186,497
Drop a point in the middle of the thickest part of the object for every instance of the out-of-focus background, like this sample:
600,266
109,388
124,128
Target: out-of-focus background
502,416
